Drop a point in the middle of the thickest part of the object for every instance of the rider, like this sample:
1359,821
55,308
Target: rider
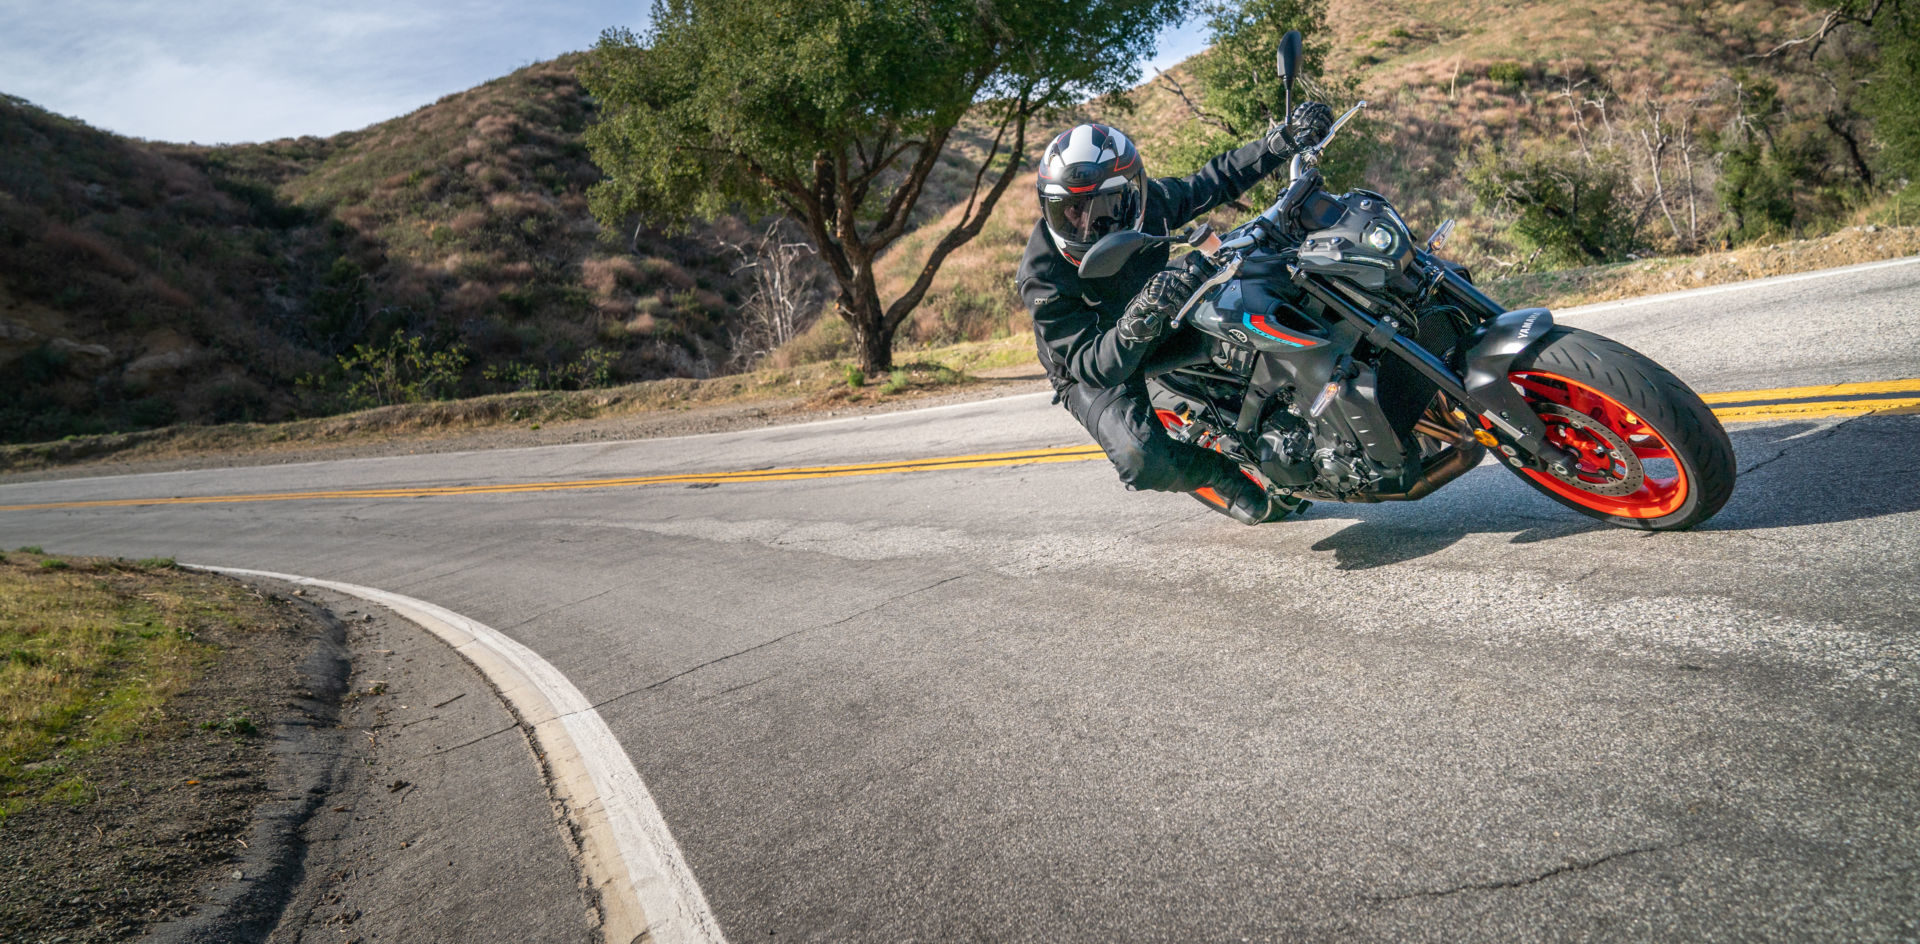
1094,334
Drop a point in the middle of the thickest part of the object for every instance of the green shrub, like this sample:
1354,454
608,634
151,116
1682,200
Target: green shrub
1509,74
1756,189
401,371
856,378
1570,212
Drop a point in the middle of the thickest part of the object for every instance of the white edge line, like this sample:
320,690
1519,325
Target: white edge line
1767,282
657,876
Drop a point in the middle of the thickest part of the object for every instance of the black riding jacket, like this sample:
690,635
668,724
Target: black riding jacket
1073,318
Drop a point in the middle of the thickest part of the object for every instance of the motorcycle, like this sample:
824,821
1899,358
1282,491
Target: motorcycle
1334,359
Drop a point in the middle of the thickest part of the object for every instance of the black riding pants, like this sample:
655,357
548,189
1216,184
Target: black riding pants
1121,420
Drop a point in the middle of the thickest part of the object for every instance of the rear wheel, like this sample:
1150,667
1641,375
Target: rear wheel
1650,455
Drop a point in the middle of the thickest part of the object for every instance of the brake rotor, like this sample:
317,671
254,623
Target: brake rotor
1596,443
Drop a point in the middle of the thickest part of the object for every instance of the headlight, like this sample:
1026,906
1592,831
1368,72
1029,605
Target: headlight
1380,238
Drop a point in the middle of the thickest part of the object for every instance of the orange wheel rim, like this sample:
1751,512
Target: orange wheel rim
1624,467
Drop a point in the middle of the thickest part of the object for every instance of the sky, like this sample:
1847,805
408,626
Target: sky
225,71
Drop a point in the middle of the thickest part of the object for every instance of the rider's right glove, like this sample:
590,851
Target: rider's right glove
1308,124
1149,316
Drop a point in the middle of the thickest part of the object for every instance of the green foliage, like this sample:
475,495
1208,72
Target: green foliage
1569,212
896,382
1510,74
856,378
1756,191
1243,93
403,370
836,111
593,368
233,726
1891,97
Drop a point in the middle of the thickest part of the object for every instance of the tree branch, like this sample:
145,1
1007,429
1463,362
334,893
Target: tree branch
970,224
893,220
1199,114
1833,20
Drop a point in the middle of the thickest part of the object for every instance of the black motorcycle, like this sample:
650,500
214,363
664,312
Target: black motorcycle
1335,359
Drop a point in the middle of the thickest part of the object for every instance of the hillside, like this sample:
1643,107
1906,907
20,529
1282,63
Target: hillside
143,284
1447,79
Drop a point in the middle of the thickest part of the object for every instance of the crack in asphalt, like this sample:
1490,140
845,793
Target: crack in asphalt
489,734
777,639
556,609
1577,866
1798,444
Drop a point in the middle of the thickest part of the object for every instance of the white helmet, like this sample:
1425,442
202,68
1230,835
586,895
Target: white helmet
1091,183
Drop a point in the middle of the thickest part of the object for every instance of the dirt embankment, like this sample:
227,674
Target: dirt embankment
137,707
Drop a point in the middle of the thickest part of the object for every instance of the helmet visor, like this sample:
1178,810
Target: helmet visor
1084,218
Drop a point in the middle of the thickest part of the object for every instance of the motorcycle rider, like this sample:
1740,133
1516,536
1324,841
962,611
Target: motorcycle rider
1094,334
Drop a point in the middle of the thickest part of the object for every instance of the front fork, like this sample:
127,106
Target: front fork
1485,390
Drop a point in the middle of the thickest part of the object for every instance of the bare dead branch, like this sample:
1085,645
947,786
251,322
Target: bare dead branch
1199,114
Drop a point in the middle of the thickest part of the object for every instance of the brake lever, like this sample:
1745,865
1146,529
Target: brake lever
1226,273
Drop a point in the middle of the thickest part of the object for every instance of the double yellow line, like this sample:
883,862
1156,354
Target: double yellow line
1747,406
1806,403
983,460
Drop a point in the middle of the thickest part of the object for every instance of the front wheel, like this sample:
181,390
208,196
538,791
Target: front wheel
1650,454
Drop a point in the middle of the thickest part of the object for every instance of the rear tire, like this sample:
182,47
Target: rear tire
1653,456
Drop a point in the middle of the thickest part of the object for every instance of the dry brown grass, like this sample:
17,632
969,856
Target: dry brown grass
1569,287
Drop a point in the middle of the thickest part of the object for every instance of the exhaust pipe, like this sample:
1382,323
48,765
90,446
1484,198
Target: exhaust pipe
1438,471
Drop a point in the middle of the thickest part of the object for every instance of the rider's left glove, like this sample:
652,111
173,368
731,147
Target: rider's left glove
1307,126
1149,317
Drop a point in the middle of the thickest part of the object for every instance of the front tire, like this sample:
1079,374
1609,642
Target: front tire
1652,456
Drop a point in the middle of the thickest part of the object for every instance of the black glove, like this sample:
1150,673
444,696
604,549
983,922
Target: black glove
1150,315
1307,125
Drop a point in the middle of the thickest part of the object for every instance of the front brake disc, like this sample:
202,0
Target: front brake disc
1624,474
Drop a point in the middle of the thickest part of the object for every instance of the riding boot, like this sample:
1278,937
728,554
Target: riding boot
1239,498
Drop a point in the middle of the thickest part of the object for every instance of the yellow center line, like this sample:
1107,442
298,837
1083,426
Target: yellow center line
1810,403
1814,410
1822,391
984,460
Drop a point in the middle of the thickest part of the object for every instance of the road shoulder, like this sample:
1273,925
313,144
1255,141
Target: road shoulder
440,827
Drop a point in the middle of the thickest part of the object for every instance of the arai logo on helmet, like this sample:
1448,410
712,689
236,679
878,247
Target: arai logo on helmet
1526,327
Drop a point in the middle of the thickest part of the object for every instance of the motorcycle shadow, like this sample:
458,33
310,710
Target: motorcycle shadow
1794,474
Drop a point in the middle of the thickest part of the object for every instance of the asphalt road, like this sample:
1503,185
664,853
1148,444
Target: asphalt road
1017,702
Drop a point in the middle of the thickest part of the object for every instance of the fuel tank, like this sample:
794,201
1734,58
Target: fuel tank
1251,313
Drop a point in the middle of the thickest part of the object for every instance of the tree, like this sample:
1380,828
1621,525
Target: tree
836,112
1241,93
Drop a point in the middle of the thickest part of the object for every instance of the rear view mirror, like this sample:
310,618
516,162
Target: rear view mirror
1112,252
1288,59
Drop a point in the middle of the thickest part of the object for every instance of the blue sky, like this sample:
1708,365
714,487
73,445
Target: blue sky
220,71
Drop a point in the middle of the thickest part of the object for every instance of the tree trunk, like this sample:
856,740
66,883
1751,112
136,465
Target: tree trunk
872,337
876,350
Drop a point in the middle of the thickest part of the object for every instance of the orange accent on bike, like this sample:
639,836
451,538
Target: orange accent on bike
1211,497
1656,497
1170,419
